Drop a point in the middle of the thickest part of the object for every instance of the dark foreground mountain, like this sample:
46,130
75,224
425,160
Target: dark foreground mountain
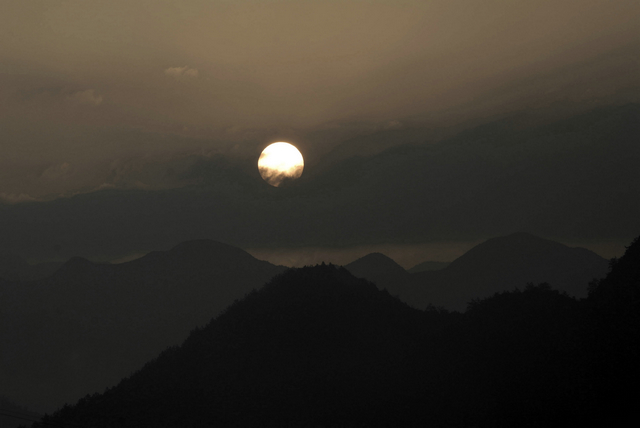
613,334
89,325
319,347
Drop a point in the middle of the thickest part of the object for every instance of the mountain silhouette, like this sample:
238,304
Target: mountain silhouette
88,325
505,263
498,264
15,268
314,346
381,270
318,347
613,335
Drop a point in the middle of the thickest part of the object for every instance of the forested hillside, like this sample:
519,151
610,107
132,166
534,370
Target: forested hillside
316,346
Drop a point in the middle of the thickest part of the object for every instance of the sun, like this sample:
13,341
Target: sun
280,162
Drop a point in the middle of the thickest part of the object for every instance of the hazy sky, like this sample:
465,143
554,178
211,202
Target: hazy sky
92,90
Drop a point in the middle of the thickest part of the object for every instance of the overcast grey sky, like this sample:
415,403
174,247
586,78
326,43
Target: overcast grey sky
91,89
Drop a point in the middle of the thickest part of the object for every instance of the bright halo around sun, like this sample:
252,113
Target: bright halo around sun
280,162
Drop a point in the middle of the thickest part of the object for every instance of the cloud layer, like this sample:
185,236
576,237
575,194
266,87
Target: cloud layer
88,82
178,72
86,97
573,179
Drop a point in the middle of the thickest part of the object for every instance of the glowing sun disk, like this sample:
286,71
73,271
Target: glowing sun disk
280,161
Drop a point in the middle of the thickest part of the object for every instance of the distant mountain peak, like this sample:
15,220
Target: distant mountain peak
375,259
128,311
15,268
511,261
77,269
380,269
504,246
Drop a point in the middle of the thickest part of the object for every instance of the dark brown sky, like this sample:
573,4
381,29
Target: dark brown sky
91,90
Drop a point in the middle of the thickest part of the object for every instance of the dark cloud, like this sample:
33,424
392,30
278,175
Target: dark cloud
573,179
159,95
284,64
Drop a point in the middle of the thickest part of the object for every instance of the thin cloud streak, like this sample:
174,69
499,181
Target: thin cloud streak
178,72
87,97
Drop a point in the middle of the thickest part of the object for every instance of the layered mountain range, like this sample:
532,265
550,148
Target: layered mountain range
88,325
498,264
15,268
318,347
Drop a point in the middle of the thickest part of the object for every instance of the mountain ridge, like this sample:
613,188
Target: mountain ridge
380,269
505,263
15,268
318,346
498,264
115,316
